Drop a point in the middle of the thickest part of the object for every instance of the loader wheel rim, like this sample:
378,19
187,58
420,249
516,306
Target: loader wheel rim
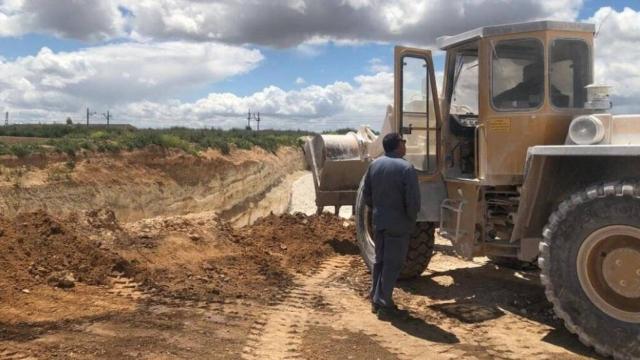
608,267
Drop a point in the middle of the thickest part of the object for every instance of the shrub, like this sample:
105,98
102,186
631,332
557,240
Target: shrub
70,139
21,150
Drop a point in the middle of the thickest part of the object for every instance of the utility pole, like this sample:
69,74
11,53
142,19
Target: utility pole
107,116
89,114
258,120
6,118
249,120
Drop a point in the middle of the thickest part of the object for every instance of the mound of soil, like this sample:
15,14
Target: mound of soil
207,259
188,257
299,242
37,248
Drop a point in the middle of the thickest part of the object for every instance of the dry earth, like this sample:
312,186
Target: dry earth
90,284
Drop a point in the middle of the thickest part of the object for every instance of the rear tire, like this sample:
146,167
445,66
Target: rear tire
421,242
589,261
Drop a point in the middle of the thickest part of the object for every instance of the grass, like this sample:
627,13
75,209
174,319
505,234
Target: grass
340,131
72,139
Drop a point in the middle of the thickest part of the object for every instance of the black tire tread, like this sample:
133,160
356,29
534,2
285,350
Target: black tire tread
420,250
612,189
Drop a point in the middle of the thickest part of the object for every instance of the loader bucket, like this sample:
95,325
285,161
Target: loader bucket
338,164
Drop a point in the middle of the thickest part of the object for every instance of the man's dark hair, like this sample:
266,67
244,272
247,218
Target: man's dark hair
391,141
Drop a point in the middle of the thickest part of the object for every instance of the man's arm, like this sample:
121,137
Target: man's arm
366,190
411,193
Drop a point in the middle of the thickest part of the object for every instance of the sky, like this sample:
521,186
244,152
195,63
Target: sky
303,64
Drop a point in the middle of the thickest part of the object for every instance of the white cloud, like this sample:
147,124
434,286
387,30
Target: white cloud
279,23
138,83
376,65
140,80
314,107
89,20
287,23
117,74
617,53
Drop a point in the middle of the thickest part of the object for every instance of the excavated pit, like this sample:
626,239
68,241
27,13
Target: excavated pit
163,255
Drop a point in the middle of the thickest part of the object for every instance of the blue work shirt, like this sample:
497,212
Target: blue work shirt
391,189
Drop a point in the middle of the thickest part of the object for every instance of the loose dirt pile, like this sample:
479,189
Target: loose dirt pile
202,258
299,242
196,258
36,248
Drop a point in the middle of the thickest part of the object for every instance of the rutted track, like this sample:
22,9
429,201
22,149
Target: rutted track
9,354
276,335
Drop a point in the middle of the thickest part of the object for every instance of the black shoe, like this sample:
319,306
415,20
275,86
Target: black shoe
374,308
389,313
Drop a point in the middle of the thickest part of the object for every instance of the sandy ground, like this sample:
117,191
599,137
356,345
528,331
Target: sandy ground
285,287
303,199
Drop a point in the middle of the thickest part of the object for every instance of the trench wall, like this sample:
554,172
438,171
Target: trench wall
146,183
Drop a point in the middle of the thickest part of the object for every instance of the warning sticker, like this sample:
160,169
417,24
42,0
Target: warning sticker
499,125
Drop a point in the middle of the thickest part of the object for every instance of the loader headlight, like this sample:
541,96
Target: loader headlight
586,130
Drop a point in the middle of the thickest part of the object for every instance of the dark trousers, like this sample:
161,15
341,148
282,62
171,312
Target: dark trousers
391,252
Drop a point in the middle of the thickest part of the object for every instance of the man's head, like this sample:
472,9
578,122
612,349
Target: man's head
394,143
533,73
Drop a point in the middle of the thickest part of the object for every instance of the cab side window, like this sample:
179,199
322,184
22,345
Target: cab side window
569,73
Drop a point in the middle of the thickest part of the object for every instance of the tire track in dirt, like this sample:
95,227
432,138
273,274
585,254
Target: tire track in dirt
9,354
278,332
127,287
352,312
230,308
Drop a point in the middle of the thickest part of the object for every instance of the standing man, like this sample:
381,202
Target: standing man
391,190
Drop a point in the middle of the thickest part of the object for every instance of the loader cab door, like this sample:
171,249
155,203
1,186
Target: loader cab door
417,111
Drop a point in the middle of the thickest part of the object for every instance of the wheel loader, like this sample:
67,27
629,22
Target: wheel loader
519,160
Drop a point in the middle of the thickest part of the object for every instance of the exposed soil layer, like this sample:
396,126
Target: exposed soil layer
142,184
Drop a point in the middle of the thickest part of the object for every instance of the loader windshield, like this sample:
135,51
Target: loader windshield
517,74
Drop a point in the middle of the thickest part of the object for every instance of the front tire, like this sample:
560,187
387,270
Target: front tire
421,242
590,261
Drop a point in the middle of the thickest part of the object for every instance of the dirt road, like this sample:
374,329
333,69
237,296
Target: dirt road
286,287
